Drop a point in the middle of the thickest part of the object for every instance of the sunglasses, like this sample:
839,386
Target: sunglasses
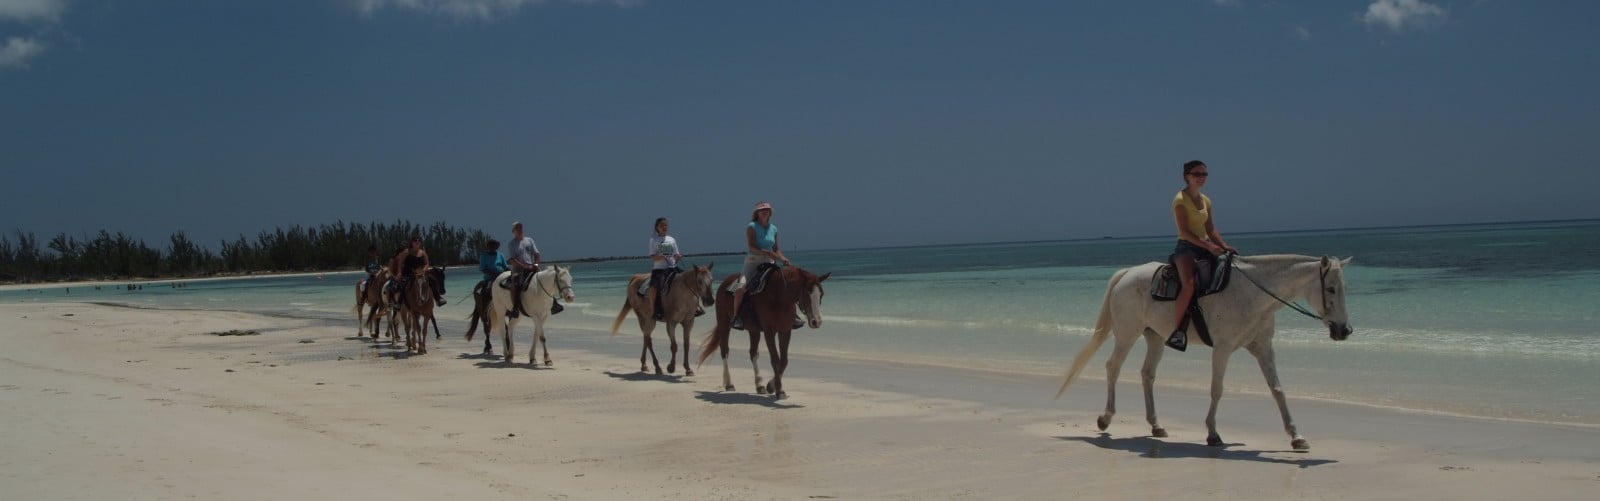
1199,174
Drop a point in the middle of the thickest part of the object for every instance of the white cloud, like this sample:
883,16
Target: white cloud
1225,3
1300,31
1397,14
464,9
16,52
32,10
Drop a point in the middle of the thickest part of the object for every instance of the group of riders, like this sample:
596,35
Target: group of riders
1199,245
410,260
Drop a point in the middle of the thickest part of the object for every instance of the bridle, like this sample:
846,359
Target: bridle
1322,279
556,277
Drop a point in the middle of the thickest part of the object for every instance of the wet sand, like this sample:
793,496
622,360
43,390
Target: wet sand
106,402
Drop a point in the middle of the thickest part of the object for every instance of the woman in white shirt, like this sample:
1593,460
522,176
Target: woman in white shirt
664,256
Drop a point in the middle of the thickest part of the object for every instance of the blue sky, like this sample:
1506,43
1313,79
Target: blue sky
867,123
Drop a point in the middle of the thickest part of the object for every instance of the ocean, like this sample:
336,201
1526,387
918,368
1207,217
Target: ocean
1495,320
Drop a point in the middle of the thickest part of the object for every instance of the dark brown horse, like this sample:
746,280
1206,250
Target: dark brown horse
417,302
482,300
677,309
769,313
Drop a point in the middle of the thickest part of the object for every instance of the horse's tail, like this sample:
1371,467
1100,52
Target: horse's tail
721,330
1102,330
719,336
493,316
621,315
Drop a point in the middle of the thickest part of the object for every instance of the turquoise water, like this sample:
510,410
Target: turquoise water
1486,320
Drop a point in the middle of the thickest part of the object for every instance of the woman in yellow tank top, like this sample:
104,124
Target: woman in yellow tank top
1199,244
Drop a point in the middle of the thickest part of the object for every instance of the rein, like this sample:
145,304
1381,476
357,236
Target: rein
554,277
1323,278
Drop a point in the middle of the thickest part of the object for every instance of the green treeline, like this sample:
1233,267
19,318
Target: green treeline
337,246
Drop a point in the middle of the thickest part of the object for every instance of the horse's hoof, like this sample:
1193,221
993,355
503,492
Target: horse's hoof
672,369
1102,422
658,372
761,390
1300,444
1158,432
727,388
769,388
687,372
1214,440
780,395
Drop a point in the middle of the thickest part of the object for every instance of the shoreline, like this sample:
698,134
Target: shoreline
143,404
1092,380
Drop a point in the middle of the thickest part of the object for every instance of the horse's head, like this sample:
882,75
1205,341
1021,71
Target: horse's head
1334,314
703,280
564,283
436,277
811,301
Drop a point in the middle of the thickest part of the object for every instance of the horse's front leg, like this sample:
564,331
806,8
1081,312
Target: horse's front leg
1119,352
1269,368
539,327
783,365
1147,375
1219,367
777,363
755,349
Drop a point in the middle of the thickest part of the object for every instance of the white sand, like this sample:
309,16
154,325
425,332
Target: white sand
120,403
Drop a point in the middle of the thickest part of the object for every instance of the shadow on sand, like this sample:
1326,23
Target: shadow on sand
498,362
480,356
743,398
646,376
1150,447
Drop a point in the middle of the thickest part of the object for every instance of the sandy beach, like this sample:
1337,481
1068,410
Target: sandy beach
107,402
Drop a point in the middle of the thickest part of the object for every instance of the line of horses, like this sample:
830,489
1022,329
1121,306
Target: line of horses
409,310
1242,316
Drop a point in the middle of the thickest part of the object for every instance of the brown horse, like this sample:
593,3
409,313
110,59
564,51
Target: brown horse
369,292
769,313
417,310
677,308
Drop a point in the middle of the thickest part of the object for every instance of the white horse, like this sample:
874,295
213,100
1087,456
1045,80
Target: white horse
546,286
1240,316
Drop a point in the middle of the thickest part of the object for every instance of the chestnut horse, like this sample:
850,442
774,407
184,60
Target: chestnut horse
677,307
768,313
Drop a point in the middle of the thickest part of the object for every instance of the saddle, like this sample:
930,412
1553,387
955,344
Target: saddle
758,282
517,282
666,283
1166,284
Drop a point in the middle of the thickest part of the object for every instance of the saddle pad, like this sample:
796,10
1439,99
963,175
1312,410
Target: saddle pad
1165,285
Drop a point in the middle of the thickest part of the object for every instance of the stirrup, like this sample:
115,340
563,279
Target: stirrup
798,323
1179,340
556,307
698,311
738,324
